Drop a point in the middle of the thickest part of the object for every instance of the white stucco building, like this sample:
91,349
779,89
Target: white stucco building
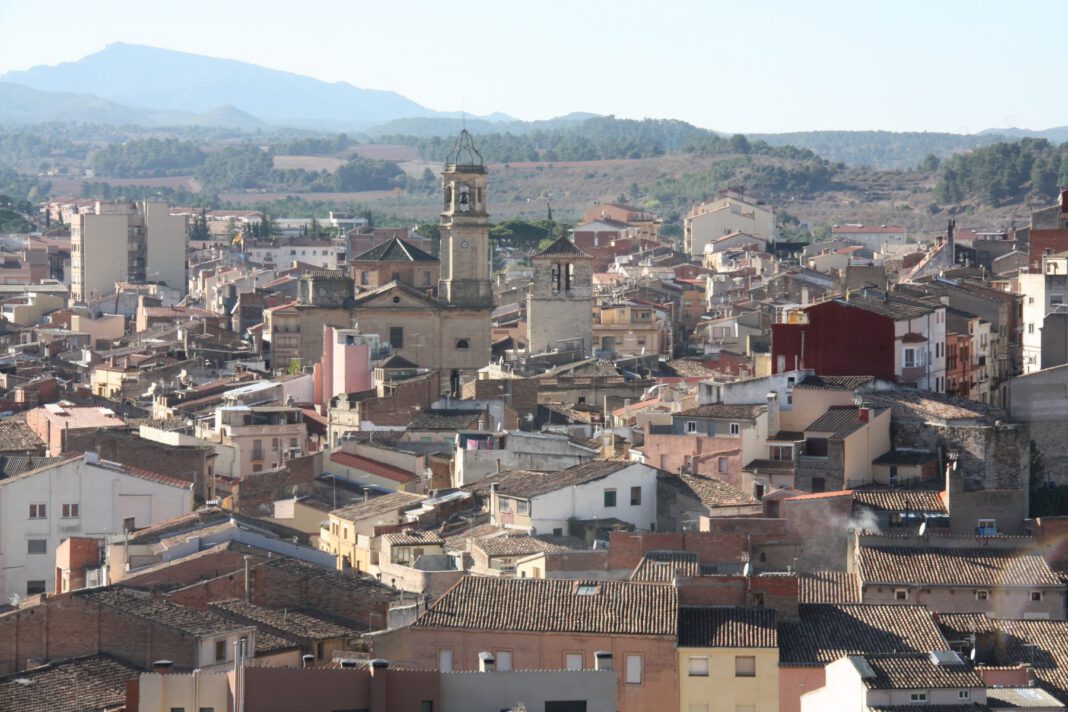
549,502
79,497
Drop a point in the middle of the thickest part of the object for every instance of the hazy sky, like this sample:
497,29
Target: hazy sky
749,66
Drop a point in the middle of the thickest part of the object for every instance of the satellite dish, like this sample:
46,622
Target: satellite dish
923,528
971,655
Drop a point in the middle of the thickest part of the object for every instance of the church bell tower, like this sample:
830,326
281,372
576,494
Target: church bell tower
465,249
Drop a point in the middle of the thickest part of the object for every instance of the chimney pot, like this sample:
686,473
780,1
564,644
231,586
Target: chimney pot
307,660
162,665
348,663
379,663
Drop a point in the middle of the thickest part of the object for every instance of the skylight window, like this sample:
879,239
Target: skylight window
586,589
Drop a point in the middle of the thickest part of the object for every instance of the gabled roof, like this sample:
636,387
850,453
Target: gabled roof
555,606
710,490
184,619
900,500
91,682
824,633
917,671
393,502
664,566
16,435
562,247
723,627
372,467
525,545
935,566
417,295
725,411
828,587
841,420
835,383
526,484
300,624
396,250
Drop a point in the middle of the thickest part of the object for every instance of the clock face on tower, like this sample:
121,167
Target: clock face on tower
463,198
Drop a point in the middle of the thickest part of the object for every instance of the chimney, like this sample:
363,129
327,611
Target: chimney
379,685
602,660
864,413
347,663
485,662
307,661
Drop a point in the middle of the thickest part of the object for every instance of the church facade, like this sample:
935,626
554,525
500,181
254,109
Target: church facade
447,328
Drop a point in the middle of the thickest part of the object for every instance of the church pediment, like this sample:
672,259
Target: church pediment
395,295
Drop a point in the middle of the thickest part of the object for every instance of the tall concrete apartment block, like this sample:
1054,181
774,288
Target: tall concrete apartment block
560,301
139,242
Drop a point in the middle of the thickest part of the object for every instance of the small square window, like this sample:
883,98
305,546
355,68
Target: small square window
691,426
698,667
1036,595
982,595
635,496
964,694
38,511
35,587
220,650
572,661
918,697
735,428
744,666
37,546
901,594
505,504
71,511
609,498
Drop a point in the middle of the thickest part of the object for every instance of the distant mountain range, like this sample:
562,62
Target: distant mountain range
165,81
127,84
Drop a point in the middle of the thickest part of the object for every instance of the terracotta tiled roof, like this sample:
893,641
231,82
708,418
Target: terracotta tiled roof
414,537
377,506
1040,643
92,682
525,545
959,625
555,606
16,436
395,250
301,624
663,566
835,383
712,491
932,566
526,484
917,671
824,633
72,418
778,467
184,619
562,247
372,467
828,587
721,410
589,367
898,500
841,420
143,474
722,627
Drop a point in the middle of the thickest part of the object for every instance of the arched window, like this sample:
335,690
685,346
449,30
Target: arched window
556,277
569,276
462,344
